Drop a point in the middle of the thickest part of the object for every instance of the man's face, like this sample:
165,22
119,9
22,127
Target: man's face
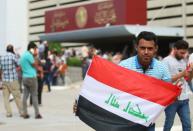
180,53
146,51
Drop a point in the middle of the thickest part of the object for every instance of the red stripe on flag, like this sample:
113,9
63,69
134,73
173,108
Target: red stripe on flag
132,82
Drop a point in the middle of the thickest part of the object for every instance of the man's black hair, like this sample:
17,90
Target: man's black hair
31,45
181,44
149,36
10,49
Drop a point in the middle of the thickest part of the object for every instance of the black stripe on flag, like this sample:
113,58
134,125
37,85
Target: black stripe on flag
103,120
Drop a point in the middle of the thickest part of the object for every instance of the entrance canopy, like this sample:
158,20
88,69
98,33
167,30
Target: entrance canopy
117,37
112,34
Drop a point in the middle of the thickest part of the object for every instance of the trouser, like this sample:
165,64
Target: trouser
182,108
40,88
62,77
47,80
30,87
20,84
12,88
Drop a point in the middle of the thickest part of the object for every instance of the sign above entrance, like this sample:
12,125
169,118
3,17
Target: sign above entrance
111,12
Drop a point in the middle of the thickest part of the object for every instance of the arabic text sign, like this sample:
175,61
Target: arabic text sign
98,14
131,108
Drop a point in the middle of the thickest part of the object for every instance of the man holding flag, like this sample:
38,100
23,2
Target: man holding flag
144,62
127,98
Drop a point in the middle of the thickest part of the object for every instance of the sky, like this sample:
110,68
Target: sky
13,24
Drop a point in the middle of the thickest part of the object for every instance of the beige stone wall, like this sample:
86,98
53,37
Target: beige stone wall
174,13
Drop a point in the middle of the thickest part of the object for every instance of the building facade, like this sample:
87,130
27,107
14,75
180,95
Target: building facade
171,13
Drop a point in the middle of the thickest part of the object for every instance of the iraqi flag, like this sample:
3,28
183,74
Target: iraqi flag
114,98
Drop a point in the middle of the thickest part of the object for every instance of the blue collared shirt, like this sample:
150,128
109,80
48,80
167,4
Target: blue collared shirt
8,64
156,69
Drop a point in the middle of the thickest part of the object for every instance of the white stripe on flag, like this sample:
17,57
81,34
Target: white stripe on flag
123,104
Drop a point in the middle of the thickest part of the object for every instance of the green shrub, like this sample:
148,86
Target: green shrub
74,61
55,46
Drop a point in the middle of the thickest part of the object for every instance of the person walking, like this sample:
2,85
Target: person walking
180,73
47,71
29,74
40,75
10,84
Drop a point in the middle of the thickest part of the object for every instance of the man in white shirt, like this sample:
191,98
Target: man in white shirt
179,72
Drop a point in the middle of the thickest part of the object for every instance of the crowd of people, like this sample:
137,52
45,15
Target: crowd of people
34,68
38,66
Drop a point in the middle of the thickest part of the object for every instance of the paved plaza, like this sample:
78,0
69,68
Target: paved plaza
57,113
